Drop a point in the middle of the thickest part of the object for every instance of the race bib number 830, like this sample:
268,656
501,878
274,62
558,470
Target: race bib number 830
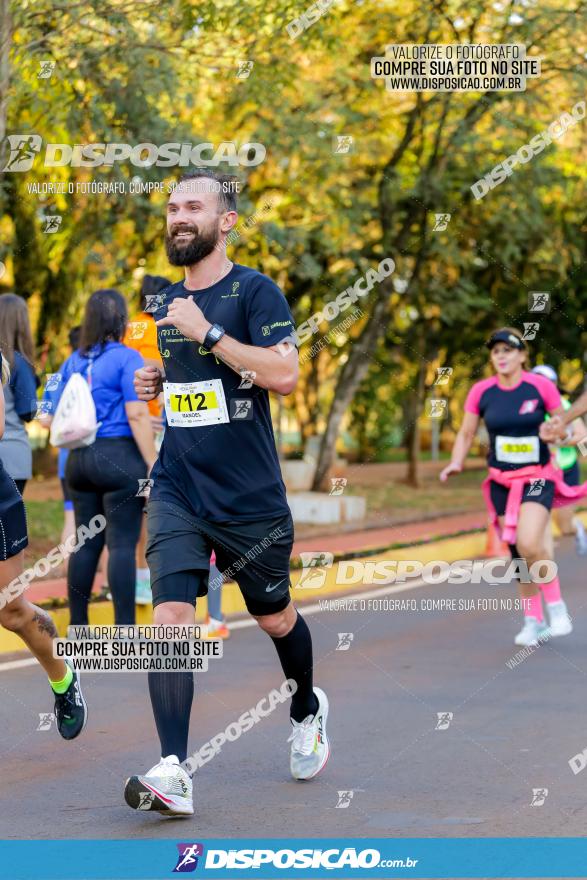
517,450
194,404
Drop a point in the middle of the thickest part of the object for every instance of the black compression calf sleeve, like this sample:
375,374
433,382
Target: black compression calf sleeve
171,697
295,655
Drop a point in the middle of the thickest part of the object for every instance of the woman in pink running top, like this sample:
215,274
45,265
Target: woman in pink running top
523,484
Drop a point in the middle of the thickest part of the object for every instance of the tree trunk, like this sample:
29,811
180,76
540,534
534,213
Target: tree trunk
364,446
351,376
412,475
5,41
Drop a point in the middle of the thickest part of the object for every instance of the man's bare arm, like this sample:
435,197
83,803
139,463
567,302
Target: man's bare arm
270,368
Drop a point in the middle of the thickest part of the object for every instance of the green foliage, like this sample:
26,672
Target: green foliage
160,71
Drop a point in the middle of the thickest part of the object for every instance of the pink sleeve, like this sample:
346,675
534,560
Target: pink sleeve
474,395
548,391
213,558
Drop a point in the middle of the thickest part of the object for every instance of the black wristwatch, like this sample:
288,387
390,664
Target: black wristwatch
214,335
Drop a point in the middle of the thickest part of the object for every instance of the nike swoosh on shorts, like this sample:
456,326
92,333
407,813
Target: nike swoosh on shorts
274,587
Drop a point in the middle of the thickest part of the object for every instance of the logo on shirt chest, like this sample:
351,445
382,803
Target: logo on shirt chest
235,291
528,406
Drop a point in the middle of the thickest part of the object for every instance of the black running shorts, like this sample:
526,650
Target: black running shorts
13,526
532,492
572,475
254,554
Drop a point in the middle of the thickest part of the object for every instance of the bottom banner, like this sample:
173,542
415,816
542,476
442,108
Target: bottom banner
368,857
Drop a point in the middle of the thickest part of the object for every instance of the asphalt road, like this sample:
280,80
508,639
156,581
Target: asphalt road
512,730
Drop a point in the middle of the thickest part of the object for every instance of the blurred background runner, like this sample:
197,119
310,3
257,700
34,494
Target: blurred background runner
141,334
106,477
16,342
567,459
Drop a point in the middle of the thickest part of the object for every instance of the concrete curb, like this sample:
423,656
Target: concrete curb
462,546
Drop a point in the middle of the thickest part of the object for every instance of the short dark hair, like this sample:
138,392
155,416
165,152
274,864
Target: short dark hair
105,319
227,186
151,285
74,337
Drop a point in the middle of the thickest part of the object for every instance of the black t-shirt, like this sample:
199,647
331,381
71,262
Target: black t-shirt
513,417
224,470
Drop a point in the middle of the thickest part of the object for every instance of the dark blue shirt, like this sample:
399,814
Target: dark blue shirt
24,384
20,406
111,383
227,471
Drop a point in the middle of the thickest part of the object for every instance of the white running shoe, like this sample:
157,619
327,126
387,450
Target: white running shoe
310,748
580,537
166,788
143,594
560,619
532,632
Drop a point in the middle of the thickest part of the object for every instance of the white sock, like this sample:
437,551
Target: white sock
143,574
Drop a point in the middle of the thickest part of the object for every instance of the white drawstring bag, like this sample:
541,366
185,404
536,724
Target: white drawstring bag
75,423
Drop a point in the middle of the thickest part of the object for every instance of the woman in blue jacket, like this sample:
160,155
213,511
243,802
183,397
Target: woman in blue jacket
105,478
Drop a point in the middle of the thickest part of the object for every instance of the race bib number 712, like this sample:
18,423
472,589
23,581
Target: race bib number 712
194,404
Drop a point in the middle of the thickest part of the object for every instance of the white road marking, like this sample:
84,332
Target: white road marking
18,664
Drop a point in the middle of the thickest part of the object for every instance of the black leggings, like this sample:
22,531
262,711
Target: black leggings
104,480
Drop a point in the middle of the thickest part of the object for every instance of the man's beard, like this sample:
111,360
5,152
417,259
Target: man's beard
191,252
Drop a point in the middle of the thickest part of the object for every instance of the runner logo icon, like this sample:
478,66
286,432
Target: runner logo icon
187,860
530,330
52,223
441,222
137,329
46,719
241,409
344,799
436,407
528,406
247,379
343,143
313,575
244,69
539,301
444,719
145,800
154,302
23,149
46,69
536,487
338,485
344,641
145,486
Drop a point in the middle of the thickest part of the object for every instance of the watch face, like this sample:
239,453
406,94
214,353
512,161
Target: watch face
215,332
